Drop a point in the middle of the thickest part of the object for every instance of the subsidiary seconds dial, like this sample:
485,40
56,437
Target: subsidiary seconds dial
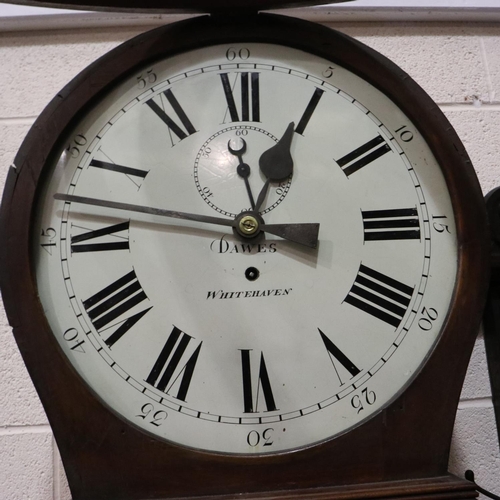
228,163
233,332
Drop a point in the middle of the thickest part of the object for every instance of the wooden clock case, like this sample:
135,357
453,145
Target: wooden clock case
402,452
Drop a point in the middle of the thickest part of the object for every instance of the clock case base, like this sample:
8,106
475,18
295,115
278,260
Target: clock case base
106,458
439,488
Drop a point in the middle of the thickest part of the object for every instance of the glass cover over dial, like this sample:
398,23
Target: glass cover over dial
245,249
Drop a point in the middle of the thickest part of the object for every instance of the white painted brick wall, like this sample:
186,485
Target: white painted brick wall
457,64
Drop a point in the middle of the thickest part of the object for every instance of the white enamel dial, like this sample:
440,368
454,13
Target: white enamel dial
218,342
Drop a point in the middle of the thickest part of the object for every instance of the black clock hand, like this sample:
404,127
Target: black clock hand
143,209
305,233
302,233
243,168
276,163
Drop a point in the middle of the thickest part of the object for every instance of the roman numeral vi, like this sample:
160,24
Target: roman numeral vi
250,404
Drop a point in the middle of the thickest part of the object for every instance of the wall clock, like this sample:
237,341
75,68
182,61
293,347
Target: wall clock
246,256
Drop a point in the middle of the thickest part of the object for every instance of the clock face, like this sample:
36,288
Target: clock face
206,334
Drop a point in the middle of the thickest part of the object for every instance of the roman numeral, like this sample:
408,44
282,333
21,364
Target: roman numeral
113,167
250,404
364,155
120,242
114,301
168,362
393,224
250,97
313,103
135,175
375,293
173,127
336,353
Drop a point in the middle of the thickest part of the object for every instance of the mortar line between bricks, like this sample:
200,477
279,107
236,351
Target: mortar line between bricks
55,472
475,403
469,107
445,106
491,92
17,120
25,429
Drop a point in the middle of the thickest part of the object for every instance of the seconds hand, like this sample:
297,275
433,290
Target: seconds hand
303,233
243,168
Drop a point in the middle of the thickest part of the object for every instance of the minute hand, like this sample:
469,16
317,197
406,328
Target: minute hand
304,234
142,209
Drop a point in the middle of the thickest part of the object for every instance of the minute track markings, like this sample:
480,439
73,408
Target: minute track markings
247,421
243,419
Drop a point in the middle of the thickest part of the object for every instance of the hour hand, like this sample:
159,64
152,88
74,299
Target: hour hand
247,224
276,163
303,233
